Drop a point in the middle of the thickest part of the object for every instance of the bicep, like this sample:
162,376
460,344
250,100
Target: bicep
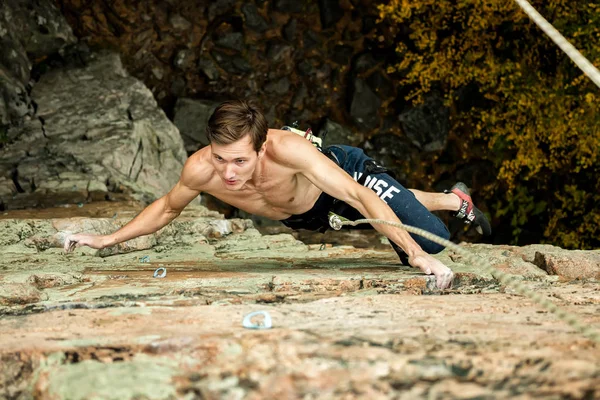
179,197
333,180
189,186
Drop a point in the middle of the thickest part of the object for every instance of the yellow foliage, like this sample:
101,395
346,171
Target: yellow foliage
539,115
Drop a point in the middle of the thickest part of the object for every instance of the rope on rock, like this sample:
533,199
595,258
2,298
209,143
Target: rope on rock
582,62
337,222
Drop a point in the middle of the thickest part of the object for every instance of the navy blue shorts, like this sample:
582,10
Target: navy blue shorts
404,203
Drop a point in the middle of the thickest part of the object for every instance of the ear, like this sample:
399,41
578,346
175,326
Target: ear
262,150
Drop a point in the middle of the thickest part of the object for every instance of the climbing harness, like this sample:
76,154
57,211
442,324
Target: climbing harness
337,222
582,62
307,134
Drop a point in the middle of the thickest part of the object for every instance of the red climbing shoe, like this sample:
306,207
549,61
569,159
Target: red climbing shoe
468,212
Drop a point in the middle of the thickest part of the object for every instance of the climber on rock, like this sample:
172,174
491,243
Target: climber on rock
280,175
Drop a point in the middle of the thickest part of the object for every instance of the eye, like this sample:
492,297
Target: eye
240,162
218,158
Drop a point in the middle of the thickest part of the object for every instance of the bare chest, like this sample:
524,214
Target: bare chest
276,195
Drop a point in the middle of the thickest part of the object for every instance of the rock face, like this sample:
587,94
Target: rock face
191,118
29,30
195,226
80,129
427,126
98,135
301,62
347,322
574,265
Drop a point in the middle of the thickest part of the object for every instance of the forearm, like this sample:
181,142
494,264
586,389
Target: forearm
372,207
150,220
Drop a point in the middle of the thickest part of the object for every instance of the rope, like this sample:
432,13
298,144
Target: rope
582,62
337,222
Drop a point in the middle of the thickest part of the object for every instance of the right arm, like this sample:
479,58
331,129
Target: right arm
156,215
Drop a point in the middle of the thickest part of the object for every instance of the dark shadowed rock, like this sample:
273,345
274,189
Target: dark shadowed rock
219,7
278,52
389,149
179,23
338,134
253,19
380,84
364,106
363,62
241,64
311,40
299,96
191,118
14,62
280,86
330,12
342,54
289,30
37,25
28,30
369,22
231,40
233,64
184,59
178,87
208,67
427,125
288,6
305,68
15,102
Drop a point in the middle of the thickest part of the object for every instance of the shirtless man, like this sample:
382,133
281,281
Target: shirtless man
282,176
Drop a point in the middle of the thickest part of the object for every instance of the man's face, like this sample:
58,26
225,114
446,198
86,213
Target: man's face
235,162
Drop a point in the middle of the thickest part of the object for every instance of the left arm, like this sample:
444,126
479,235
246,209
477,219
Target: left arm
303,157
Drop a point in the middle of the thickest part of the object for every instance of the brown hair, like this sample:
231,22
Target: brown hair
233,120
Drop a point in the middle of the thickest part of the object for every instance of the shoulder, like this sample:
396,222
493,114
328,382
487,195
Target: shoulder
290,149
198,170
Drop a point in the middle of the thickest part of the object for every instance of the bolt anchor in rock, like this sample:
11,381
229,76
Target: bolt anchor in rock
266,323
164,272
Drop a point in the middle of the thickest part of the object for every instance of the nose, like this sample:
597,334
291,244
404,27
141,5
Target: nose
229,172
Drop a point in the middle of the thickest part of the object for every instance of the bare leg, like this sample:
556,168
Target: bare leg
438,201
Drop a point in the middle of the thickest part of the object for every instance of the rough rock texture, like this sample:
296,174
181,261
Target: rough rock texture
427,126
98,135
575,264
322,64
301,62
347,322
191,118
29,30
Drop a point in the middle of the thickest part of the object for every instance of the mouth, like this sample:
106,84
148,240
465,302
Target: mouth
230,181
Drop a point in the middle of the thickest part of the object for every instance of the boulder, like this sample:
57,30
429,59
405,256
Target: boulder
28,30
569,264
338,134
99,134
427,125
364,106
191,118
